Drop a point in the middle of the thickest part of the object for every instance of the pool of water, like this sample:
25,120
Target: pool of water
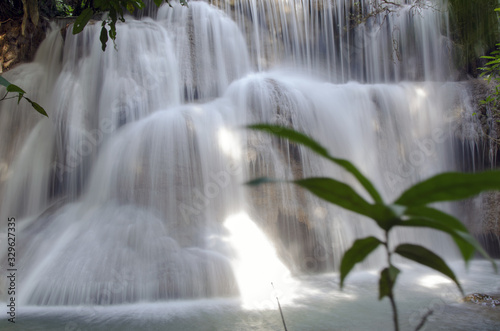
312,303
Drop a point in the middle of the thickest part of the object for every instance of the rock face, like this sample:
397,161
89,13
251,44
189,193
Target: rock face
478,140
18,48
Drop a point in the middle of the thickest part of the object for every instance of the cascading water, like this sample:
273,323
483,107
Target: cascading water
132,190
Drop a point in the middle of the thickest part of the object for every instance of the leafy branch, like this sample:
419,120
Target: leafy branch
386,7
409,210
115,10
11,88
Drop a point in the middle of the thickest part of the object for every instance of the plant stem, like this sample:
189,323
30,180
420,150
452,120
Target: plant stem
5,97
281,312
391,294
424,319
394,311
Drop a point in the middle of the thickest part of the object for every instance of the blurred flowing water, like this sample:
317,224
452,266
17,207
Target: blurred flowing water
130,197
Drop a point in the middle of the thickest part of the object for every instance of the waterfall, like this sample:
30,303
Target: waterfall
132,190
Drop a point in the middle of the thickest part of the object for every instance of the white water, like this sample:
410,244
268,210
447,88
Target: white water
132,190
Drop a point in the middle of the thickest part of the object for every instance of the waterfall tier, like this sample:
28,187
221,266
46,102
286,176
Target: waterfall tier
132,190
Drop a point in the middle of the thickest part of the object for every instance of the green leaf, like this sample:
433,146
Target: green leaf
436,219
449,186
104,37
4,82
462,239
357,253
158,3
82,20
112,31
262,180
139,4
291,135
436,215
387,281
338,193
344,196
428,258
300,138
15,88
37,107
103,5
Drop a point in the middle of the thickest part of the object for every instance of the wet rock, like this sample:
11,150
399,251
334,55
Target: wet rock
483,300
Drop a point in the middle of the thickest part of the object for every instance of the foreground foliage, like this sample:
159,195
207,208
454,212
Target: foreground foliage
11,88
411,209
491,72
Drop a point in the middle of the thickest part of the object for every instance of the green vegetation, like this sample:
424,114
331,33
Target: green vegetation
411,209
83,10
491,71
11,88
475,28
115,10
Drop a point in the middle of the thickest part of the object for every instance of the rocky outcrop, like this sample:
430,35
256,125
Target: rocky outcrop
478,136
16,47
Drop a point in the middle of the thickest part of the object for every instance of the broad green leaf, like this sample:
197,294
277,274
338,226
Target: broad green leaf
130,8
344,196
428,258
387,280
4,82
158,3
304,140
437,215
15,89
37,107
433,218
82,20
462,239
357,253
338,193
291,135
449,186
